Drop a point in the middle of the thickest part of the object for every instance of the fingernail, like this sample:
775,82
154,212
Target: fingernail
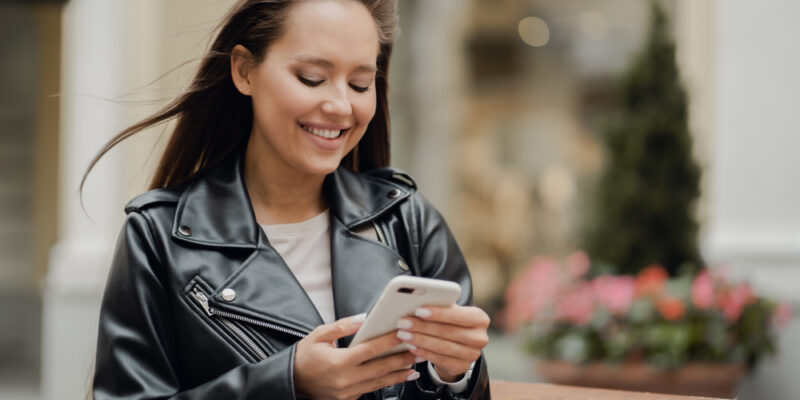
403,335
404,323
418,360
410,346
358,318
414,375
422,312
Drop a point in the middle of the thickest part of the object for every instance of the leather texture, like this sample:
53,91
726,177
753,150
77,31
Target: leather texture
180,245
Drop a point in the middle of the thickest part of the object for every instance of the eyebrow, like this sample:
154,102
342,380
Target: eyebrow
327,64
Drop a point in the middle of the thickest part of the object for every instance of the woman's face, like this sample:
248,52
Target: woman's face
314,92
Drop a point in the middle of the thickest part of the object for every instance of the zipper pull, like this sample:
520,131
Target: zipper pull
203,300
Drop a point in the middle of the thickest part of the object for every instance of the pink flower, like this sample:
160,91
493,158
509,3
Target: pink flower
733,301
703,290
615,293
577,264
577,306
782,314
531,292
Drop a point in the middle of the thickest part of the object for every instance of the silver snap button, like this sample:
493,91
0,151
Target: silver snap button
228,294
402,265
394,194
185,230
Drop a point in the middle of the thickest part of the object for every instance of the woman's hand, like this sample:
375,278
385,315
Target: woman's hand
451,338
322,371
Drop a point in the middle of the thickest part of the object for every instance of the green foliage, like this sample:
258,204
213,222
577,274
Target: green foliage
644,208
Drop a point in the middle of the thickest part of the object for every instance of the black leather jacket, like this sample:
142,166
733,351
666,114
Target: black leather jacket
166,330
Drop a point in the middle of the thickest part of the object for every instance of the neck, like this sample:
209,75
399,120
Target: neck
280,195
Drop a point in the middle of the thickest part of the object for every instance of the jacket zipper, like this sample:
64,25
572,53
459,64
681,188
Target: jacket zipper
225,318
379,233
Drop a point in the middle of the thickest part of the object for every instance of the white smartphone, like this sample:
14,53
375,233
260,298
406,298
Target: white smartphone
401,296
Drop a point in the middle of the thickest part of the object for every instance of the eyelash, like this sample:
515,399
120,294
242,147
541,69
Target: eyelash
312,83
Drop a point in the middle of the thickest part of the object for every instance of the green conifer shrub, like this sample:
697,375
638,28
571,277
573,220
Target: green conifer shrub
644,208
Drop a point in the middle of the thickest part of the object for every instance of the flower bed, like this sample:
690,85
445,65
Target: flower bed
569,315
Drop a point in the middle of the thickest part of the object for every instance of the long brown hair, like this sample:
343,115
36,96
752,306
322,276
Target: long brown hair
213,120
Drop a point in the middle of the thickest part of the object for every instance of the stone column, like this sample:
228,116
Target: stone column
93,74
435,90
114,52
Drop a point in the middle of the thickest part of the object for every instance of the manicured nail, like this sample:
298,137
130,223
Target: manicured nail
403,335
422,312
418,360
410,346
404,323
358,318
414,375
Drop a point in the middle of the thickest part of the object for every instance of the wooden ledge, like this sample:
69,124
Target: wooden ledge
504,390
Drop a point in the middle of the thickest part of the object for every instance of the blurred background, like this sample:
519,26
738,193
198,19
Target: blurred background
499,109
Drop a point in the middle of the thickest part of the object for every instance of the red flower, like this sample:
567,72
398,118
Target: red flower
703,290
671,309
651,281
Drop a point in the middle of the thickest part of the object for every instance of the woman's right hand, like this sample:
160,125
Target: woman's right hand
323,371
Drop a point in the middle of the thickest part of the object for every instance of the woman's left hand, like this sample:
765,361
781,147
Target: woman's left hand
451,338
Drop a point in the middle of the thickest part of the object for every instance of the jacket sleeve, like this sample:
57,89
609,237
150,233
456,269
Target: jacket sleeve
136,343
438,256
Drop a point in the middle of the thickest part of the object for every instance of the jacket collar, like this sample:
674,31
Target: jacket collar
215,210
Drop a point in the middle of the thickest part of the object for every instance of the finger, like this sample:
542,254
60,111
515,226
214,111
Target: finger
337,329
386,380
466,316
372,348
439,345
383,366
455,366
472,337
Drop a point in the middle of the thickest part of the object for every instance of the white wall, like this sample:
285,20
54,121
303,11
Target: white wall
753,198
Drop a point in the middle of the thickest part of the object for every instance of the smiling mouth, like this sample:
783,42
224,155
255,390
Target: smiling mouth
323,133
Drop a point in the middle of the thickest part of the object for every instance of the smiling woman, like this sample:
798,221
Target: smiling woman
274,223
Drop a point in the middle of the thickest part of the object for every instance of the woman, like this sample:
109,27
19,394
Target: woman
273,223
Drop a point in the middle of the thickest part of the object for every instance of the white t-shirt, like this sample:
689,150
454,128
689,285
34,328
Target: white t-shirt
306,249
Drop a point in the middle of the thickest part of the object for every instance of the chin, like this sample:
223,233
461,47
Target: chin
323,167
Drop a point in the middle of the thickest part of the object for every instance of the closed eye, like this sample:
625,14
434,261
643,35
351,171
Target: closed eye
359,89
309,82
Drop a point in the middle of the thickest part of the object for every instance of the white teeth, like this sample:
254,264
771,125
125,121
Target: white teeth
327,134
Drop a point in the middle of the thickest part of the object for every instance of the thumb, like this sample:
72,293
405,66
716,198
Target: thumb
339,328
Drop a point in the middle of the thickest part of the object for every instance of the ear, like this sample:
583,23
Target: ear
242,62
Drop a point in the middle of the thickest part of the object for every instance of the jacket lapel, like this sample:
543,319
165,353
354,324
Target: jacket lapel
267,289
360,268
215,211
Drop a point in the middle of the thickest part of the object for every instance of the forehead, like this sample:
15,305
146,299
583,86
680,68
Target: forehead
336,30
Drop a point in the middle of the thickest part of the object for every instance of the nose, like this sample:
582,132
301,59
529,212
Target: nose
337,104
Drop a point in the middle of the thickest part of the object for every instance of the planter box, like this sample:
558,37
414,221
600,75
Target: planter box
698,379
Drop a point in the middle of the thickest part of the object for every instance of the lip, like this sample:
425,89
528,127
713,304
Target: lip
321,142
326,126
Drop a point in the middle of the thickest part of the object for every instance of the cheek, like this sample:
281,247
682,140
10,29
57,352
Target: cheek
364,109
280,100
